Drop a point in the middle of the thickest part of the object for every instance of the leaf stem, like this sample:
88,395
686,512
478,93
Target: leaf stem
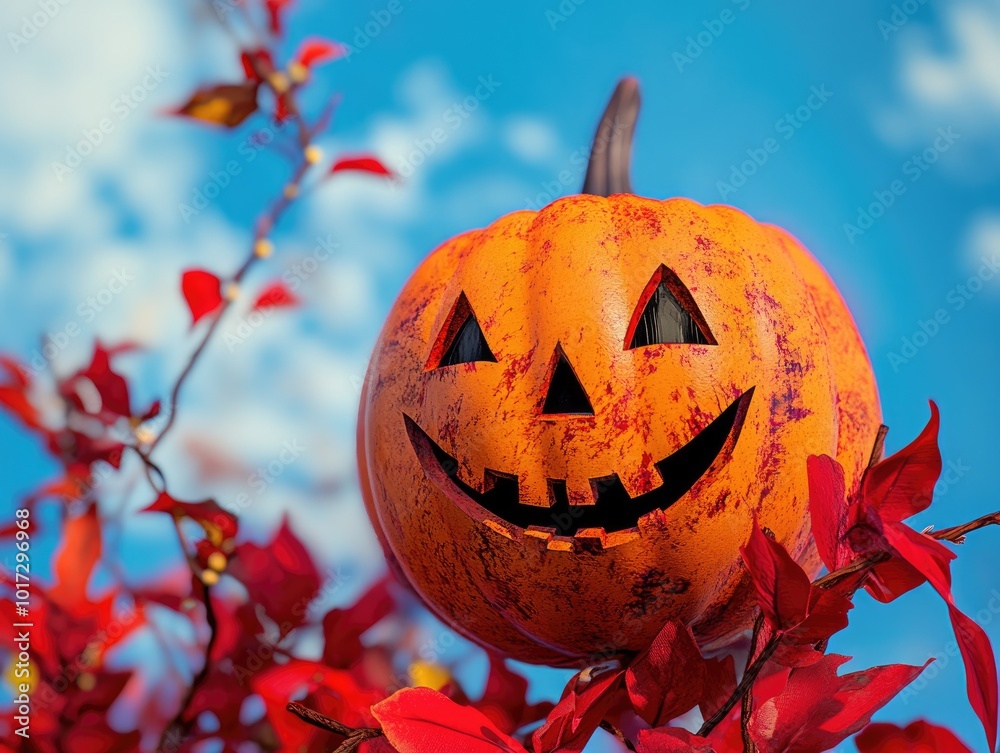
354,736
179,727
609,727
746,710
747,681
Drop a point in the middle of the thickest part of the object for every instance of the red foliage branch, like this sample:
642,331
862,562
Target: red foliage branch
218,104
90,435
856,570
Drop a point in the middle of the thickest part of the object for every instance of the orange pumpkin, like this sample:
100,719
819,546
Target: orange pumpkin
571,416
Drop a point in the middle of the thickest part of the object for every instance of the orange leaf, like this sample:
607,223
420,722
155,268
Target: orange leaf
226,104
75,561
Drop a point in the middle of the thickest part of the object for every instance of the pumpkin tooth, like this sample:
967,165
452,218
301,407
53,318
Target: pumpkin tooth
491,478
580,494
621,537
590,539
641,479
535,490
540,532
561,544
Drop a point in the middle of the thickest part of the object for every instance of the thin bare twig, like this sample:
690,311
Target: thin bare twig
746,710
179,727
354,736
609,727
749,677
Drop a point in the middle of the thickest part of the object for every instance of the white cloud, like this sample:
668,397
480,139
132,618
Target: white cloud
984,237
947,80
531,139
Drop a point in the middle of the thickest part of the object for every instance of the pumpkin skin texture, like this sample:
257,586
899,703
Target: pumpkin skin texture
787,361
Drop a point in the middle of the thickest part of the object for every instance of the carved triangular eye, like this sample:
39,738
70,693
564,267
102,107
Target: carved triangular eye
461,340
469,345
669,315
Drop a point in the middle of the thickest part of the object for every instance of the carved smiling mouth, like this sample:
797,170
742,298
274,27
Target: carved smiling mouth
613,509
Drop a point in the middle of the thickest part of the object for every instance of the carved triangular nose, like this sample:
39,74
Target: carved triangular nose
565,393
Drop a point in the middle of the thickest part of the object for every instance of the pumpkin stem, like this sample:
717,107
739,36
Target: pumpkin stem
608,169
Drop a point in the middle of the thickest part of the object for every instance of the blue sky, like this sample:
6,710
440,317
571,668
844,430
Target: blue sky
910,99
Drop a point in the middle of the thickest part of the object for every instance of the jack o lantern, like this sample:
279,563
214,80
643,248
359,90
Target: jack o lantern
572,415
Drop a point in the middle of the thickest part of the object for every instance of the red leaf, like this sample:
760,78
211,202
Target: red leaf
80,451
818,709
361,163
927,555
903,484
421,720
671,740
789,601
253,60
280,684
281,109
106,688
202,291
111,387
92,733
586,699
14,394
220,525
917,737
980,670
224,104
782,586
891,579
668,678
343,628
314,51
504,699
152,412
828,510
280,576
275,296
720,683
274,10
932,560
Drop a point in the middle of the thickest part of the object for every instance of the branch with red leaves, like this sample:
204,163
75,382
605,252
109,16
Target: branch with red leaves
230,105
209,295
864,544
856,570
